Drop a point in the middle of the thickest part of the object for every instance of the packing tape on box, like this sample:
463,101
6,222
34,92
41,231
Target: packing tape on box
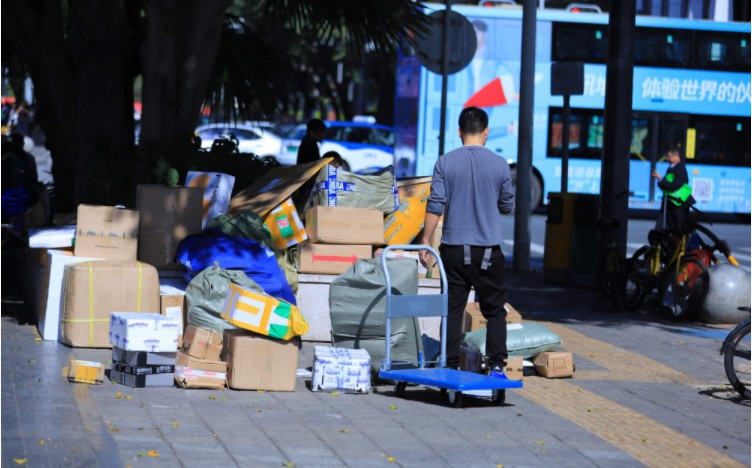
91,320
263,314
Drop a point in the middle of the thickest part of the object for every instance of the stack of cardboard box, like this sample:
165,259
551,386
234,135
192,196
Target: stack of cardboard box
198,361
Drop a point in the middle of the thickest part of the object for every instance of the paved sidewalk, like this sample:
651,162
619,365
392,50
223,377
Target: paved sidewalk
646,393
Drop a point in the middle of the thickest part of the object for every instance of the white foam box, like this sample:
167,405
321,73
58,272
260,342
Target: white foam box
155,333
341,369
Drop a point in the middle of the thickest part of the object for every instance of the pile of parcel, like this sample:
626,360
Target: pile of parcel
197,288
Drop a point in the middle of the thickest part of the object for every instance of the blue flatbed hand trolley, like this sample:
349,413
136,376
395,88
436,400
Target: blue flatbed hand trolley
452,382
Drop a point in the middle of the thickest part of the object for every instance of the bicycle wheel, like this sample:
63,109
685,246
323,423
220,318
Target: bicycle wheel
611,275
736,359
683,290
639,280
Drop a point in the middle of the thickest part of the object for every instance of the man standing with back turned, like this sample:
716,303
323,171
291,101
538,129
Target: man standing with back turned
472,187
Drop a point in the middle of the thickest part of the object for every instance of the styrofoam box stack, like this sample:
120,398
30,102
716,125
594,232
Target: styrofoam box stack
341,369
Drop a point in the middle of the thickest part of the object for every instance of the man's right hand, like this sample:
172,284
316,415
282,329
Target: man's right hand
425,257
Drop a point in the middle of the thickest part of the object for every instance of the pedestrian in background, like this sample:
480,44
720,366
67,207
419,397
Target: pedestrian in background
309,147
677,194
471,188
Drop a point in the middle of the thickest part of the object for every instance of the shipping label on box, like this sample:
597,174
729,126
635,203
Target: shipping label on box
107,232
168,215
341,369
89,372
339,225
93,290
143,332
553,365
201,364
186,377
285,226
201,343
217,189
329,259
263,314
260,363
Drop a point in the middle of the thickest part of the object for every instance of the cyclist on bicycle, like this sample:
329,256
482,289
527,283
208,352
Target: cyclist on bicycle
677,194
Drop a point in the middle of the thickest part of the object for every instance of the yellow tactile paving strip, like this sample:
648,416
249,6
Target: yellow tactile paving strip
651,442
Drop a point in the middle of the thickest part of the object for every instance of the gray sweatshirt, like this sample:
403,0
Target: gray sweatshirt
471,187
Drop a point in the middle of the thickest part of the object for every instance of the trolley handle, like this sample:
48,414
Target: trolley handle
413,247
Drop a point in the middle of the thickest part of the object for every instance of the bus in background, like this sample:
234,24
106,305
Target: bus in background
691,87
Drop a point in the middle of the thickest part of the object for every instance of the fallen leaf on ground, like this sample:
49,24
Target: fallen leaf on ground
175,424
487,436
128,397
152,453
393,407
41,441
37,339
335,393
390,459
344,431
288,464
119,395
212,397
539,442
261,391
21,461
141,454
31,361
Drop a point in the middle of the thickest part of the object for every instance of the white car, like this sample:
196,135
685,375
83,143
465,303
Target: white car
253,138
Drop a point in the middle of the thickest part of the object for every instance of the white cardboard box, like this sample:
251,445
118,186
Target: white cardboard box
341,369
133,331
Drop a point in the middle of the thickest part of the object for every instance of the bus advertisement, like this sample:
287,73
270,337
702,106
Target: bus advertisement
691,88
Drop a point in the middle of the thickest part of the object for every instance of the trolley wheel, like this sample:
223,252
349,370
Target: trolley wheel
455,398
499,397
399,388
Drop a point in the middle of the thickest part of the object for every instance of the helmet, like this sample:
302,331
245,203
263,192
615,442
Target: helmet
15,202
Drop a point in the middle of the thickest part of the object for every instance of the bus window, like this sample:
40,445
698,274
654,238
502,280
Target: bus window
585,133
723,51
585,42
671,131
721,141
662,48
640,148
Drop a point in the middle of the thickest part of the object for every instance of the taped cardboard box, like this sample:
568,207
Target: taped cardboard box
142,358
258,362
89,372
201,343
186,377
341,369
172,302
106,232
404,225
166,379
554,364
336,187
263,314
201,364
411,254
143,332
474,319
168,215
93,290
285,226
329,259
415,187
217,190
339,225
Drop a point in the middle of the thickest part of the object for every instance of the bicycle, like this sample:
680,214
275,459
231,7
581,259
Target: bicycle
736,357
613,269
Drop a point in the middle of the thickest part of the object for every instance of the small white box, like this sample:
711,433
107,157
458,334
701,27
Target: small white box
341,369
133,331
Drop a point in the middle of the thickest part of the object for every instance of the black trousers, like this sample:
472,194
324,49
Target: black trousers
492,293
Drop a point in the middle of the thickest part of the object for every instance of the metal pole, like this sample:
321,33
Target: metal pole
565,145
521,261
444,76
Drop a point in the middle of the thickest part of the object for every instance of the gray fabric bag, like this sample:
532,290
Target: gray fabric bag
357,307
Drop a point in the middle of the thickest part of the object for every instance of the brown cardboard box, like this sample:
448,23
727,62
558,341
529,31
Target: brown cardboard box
514,368
89,372
512,315
168,215
340,225
95,289
201,343
106,232
184,360
172,302
258,362
473,319
274,187
554,365
329,259
413,187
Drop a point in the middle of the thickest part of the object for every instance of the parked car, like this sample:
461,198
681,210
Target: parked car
364,146
253,137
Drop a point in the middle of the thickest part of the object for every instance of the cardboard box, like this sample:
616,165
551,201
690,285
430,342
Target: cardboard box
143,332
106,232
512,315
84,372
285,226
142,358
554,365
201,343
172,302
217,189
94,289
339,225
275,187
336,187
341,369
193,378
514,368
168,215
201,364
60,237
414,187
411,254
404,225
260,363
166,379
474,320
262,313
50,304
329,259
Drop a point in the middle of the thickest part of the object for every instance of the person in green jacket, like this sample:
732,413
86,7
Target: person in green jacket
677,194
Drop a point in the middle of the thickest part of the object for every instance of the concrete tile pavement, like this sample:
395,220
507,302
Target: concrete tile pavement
88,426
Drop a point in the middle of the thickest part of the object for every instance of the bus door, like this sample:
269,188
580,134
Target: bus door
652,133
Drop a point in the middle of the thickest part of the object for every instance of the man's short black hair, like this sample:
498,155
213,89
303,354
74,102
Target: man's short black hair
315,125
473,120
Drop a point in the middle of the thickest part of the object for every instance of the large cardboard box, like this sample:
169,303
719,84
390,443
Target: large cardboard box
329,259
93,290
339,225
201,364
554,365
168,215
258,362
217,188
172,302
285,226
261,313
106,232
185,377
474,320
201,343
144,332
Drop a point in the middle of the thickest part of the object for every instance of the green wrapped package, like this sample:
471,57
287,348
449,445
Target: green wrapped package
526,341
335,187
